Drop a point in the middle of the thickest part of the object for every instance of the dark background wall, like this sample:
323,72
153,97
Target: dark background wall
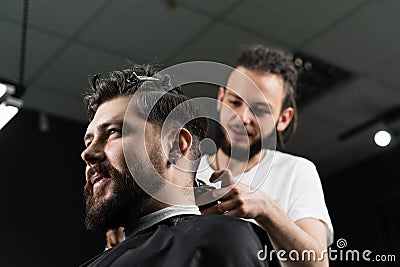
364,204
42,209
41,194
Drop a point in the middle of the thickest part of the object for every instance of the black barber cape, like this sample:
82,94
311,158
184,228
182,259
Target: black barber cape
191,240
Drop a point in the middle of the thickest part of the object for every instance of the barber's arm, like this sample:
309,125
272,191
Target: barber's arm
304,234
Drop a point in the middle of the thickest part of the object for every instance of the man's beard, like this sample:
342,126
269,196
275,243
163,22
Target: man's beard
242,154
126,201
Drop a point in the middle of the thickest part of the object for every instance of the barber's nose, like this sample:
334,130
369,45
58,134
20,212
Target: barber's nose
245,114
93,154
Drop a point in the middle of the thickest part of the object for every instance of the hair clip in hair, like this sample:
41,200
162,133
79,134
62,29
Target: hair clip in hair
166,81
134,79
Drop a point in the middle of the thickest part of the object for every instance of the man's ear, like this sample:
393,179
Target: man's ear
181,146
220,97
284,119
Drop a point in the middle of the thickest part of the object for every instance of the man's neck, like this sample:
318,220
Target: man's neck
152,205
160,215
223,161
169,195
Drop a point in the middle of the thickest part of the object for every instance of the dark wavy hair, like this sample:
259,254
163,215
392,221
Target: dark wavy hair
155,101
264,60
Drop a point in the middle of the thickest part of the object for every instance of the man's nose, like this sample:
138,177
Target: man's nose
93,154
245,114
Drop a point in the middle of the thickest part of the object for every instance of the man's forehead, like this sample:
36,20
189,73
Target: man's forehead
240,83
114,111
114,108
105,121
248,97
253,86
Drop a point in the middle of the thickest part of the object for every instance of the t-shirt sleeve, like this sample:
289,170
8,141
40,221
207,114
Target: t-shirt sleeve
307,197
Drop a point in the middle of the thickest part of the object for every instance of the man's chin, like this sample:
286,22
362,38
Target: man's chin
104,195
99,207
242,152
98,217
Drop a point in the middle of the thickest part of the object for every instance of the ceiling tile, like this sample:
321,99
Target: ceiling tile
9,47
52,102
148,30
64,17
11,10
393,5
69,73
354,103
362,41
221,43
58,16
389,72
211,7
290,21
40,48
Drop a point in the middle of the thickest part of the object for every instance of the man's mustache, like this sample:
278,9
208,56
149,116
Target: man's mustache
103,169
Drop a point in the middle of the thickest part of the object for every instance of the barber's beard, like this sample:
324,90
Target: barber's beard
238,153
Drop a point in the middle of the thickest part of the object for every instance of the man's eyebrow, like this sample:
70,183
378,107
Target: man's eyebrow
105,125
87,137
263,104
234,95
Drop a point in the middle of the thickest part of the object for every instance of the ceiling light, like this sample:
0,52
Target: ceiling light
388,119
382,138
6,114
3,90
9,105
6,88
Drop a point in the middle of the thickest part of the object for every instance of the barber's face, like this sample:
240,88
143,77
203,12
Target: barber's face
110,189
250,106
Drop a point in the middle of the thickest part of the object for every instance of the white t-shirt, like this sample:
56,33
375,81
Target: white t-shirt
292,182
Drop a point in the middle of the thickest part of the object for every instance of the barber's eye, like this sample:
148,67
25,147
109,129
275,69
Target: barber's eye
235,103
260,112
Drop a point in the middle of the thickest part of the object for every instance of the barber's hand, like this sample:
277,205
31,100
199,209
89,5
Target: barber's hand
235,198
114,237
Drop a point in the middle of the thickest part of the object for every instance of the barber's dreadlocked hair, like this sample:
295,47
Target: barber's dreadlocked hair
264,60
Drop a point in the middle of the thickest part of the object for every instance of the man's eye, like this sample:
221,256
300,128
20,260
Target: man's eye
235,103
113,131
260,112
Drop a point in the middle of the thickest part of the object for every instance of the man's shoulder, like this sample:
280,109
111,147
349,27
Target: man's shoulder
220,230
205,226
215,235
214,219
206,240
221,224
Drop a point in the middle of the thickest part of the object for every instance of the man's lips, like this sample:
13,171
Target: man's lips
98,180
240,133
